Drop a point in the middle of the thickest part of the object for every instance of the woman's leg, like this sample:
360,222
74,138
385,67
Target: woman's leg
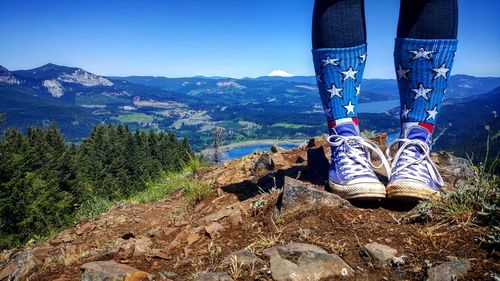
423,56
339,55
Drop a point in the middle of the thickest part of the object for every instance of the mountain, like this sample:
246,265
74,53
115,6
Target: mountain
7,77
467,126
279,73
249,108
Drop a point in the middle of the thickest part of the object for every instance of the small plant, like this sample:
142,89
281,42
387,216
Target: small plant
92,208
196,191
264,242
236,268
175,217
195,162
477,202
214,252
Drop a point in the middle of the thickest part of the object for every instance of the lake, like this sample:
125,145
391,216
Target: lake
237,152
377,106
240,151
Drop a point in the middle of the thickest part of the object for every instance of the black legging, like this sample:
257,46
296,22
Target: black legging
341,23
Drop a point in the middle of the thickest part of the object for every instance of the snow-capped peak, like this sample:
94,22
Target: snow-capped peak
280,73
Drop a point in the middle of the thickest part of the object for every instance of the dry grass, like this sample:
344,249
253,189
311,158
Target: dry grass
264,242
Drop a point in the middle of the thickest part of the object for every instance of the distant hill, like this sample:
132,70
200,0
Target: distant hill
249,108
468,124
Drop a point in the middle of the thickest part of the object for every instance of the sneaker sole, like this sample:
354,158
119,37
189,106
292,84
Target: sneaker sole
411,191
361,191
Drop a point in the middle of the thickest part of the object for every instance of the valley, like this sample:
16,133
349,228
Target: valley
269,107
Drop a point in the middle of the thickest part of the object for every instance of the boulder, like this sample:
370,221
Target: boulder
85,228
213,230
111,271
277,149
214,276
263,164
449,270
277,160
378,254
298,261
244,257
298,197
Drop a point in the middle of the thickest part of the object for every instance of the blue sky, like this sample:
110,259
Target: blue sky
219,37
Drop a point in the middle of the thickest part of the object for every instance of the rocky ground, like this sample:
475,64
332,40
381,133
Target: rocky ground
268,218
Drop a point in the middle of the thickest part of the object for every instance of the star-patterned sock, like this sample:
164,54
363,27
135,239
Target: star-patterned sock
423,68
339,72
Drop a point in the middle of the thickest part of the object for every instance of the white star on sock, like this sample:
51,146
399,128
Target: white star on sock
405,111
421,91
362,58
432,113
358,90
318,78
402,73
329,60
421,53
349,108
334,91
441,72
328,111
350,73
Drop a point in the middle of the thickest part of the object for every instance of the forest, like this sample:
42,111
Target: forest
45,183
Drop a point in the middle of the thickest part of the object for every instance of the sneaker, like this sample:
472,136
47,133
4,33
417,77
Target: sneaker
413,174
351,173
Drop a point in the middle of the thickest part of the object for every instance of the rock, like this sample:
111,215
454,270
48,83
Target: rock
193,237
111,271
85,228
454,170
449,270
22,265
277,160
70,260
233,213
301,158
297,197
317,165
214,276
316,142
157,253
298,261
263,164
292,247
378,254
172,247
142,246
41,253
213,230
8,271
303,233
63,237
244,257
277,149
380,140
125,251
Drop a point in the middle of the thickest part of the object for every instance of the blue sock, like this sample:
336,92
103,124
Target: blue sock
339,72
423,68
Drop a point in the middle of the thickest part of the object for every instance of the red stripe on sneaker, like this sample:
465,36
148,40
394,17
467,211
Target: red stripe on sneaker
355,120
428,126
331,124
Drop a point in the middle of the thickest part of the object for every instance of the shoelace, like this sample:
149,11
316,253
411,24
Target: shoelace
357,151
406,163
